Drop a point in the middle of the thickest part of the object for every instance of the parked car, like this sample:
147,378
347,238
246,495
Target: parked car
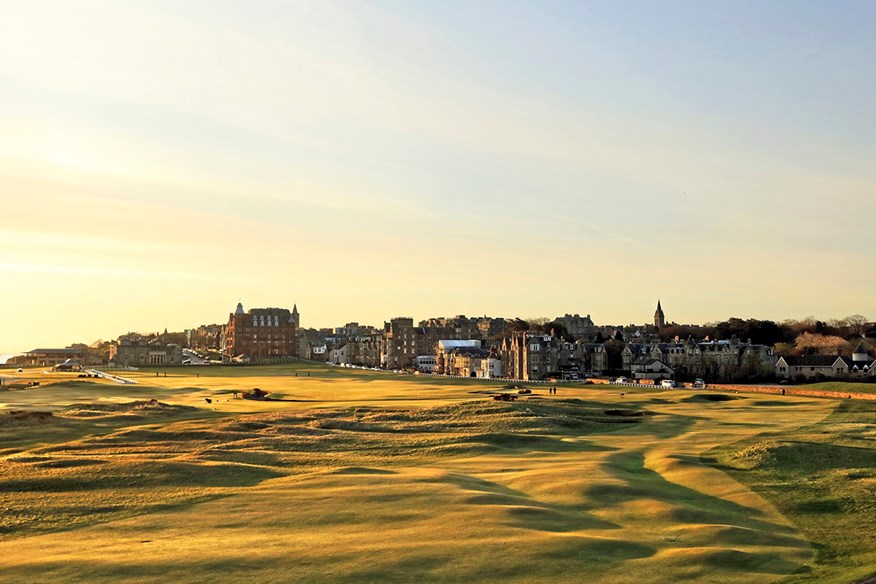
668,383
698,384
622,380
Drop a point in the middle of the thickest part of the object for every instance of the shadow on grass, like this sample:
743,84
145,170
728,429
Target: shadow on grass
521,510
688,505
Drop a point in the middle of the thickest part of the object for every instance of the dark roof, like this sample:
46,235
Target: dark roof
648,361
68,350
814,360
861,365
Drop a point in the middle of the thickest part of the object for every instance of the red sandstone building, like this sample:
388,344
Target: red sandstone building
261,333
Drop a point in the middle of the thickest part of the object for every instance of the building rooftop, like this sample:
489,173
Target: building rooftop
453,344
68,350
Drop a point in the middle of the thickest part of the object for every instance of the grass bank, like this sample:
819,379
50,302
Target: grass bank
823,478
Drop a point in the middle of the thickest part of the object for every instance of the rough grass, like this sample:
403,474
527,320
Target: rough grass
190,461
141,408
353,476
19,418
842,387
823,477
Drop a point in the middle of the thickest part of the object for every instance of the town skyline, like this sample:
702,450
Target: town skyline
150,325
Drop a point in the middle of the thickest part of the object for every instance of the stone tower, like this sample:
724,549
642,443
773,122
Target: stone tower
659,319
295,316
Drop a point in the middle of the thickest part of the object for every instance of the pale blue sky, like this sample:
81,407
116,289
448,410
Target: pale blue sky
372,159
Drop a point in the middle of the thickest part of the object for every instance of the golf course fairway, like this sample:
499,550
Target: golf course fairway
358,476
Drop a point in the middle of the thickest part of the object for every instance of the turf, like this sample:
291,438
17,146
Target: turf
823,478
842,387
349,475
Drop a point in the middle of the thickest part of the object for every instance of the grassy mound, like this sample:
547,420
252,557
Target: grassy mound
192,459
823,478
18,418
803,458
135,408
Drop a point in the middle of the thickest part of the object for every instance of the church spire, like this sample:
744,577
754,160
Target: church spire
295,318
659,318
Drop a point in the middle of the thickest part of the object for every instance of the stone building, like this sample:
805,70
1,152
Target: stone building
400,344
308,343
491,329
535,356
711,360
134,350
592,357
261,333
361,350
207,337
529,356
51,357
401,336
425,363
473,362
582,328
444,353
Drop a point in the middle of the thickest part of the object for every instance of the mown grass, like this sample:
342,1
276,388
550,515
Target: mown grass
356,476
94,478
842,387
823,478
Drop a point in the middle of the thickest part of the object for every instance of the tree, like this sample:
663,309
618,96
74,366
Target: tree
518,325
783,349
560,330
815,344
857,323
614,355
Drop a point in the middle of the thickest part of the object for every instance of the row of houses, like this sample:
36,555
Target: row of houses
724,360
534,356
813,367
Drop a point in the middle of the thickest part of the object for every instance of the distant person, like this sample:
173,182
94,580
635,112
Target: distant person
783,391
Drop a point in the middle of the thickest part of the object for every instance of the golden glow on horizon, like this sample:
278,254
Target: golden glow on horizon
155,166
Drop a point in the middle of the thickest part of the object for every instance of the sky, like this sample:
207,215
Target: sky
161,161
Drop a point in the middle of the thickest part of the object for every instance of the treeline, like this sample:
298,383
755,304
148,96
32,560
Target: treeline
808,336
